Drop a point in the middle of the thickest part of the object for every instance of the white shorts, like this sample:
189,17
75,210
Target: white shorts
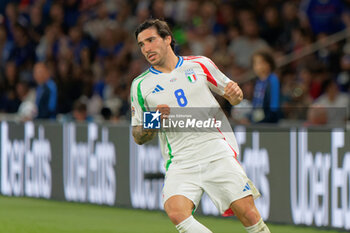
224,180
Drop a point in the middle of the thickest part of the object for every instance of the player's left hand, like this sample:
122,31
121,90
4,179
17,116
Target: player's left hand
164,109
233,93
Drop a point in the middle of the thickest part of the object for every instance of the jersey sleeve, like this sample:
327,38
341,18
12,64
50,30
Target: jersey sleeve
216,80
136,109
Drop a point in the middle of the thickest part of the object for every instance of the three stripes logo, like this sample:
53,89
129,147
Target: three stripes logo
157,89
246,187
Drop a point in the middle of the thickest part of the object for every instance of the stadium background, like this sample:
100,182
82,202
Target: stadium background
92,57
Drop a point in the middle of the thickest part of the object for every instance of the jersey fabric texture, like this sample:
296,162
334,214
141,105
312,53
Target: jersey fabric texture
189,85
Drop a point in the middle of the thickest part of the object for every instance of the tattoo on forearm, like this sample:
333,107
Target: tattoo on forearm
142,135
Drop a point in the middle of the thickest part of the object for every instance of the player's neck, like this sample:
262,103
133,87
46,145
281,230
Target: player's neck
169,63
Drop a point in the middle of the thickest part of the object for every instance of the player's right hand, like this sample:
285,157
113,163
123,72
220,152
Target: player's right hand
164,109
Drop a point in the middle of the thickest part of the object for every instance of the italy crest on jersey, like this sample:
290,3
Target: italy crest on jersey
191,75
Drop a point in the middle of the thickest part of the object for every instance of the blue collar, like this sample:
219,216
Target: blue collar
179,63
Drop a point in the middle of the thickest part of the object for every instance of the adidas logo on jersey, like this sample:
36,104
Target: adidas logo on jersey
246,187
157,89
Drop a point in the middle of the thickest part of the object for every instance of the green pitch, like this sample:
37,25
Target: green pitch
26,215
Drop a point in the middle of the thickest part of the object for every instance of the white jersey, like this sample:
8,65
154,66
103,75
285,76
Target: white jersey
189,85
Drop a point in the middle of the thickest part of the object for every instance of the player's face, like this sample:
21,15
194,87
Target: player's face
153,47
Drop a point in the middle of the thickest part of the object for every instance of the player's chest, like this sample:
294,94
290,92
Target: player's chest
178,89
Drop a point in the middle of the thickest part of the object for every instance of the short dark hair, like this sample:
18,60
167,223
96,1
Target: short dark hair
267,56
161,26
79,106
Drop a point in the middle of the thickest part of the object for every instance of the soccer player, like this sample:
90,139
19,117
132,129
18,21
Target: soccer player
195,162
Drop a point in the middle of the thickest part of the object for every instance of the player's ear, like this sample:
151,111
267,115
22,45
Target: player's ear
168,40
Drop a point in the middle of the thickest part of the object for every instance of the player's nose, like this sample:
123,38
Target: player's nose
147,48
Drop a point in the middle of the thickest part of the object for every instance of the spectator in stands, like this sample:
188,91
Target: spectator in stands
56,16
329,55
227,31
8,97
290,21
45,48
23,52
319,75
68,86
27,109
271,26
80,112
322,15
11,16
336,103
244,46
77,43
6,46
111,92
37,24
46,92
343,78
266,98
316,115
295,93
71,12
97,27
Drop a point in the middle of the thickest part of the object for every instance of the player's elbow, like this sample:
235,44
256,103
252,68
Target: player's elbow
137,138
138,141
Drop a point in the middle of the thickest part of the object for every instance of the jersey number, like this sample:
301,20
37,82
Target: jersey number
180,97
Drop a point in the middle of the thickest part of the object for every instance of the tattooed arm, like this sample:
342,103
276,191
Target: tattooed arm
142,135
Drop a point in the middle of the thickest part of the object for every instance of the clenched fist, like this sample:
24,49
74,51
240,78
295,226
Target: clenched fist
233,93
164,109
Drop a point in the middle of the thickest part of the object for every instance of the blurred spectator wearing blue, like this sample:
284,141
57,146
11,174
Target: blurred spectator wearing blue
266,98
322,15
46,92
23,52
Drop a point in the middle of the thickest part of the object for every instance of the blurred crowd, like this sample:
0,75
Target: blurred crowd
76,59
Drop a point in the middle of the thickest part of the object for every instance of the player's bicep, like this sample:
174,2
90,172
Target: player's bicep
220,85
216,80
136,109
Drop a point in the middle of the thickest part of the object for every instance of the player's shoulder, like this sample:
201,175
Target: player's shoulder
194,58
146,74
199,59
